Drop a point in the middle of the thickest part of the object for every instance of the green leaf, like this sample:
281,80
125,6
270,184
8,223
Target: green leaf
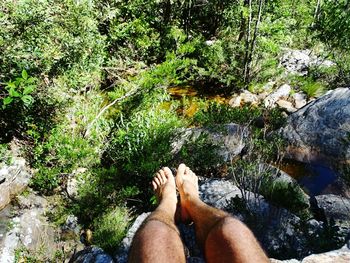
14,93
24,74
10,85
30,80
27,100
7,101
29,89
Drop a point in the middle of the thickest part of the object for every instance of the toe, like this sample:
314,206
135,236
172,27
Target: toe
167,172
181,169
156,180
154,185
187,170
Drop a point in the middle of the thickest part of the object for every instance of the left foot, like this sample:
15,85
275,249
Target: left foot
165,190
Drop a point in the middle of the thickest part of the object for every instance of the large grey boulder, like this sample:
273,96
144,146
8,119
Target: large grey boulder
334,208
319,132
14,178
228,139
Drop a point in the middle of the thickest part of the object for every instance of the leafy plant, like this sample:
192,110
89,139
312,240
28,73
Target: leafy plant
109,229
20,90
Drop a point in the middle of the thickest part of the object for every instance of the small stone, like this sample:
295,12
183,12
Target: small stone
235,101
248,97
299,100
280,93
286,105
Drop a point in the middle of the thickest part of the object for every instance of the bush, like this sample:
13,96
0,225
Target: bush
140,145
49,37
217,113
110,228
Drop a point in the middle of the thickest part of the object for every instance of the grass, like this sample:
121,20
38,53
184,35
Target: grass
110,228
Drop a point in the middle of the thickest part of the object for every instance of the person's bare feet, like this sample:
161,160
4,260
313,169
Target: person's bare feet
165,190
187,184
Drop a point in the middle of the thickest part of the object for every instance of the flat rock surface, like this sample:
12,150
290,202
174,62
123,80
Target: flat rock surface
13,180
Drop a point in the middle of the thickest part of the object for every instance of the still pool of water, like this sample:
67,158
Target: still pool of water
314,178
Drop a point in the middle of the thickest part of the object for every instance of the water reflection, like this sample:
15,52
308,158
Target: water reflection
314,178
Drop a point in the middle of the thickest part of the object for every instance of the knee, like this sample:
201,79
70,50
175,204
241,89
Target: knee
227,228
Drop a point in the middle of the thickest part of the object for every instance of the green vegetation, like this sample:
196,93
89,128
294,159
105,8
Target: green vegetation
110,228
83,84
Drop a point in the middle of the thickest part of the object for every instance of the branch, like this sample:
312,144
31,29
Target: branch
105,108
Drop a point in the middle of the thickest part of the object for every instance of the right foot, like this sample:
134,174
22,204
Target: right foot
165,190
187,184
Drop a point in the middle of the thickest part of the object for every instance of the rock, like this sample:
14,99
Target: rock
299,61
210,42
235,101
91,254
339,256
71,226
319,132
31,200
73,182
30,230
286,105
248,97
280,93
299,100
334,208
14,179
296,61
229,139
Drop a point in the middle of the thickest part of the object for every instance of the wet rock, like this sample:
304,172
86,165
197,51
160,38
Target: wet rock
91,254
228,139
280,93
319,131
14,178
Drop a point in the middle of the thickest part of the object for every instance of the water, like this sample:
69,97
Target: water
314,178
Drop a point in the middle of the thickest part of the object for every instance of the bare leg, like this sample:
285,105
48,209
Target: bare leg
223,238
158,240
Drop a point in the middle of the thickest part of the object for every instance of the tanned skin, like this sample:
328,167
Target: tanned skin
222,237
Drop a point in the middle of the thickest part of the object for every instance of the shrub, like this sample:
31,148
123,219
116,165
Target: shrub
217,113
49,37
110,228
141,144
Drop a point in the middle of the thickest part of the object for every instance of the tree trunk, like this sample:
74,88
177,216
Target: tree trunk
242,29
252,45
247,43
